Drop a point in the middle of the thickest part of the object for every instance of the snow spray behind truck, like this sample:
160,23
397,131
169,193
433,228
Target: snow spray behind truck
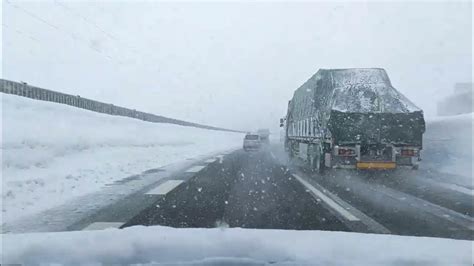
353,118
264,134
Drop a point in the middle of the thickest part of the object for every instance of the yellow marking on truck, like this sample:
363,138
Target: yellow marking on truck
376,165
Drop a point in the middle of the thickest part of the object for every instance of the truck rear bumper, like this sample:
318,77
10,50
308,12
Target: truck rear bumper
376,165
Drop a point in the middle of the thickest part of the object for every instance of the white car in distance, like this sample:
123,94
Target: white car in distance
252,142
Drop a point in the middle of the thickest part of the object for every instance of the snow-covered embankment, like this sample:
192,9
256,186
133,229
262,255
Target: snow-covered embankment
53,152
448,147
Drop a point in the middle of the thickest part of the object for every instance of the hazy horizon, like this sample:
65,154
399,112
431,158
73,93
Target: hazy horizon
232,65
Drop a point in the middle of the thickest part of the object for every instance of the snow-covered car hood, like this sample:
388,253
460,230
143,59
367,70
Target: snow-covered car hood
159,245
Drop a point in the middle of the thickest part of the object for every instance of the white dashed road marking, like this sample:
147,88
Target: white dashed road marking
210,160
457,188
273,155
102,225
331,203
164,188
195,169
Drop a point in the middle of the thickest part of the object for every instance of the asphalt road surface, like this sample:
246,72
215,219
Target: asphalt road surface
246,189
261,189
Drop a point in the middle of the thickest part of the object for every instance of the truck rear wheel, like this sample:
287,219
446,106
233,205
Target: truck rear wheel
317,163
291,155
321,164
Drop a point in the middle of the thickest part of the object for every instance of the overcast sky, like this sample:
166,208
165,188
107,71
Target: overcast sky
234,64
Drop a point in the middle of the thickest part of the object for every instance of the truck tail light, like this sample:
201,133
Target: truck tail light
346,152
408,152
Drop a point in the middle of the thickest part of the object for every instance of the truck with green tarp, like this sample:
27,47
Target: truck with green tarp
353,118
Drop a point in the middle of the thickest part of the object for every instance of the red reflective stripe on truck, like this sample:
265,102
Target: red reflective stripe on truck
408,152
346,152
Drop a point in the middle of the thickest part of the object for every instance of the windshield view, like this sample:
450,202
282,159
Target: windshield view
236,133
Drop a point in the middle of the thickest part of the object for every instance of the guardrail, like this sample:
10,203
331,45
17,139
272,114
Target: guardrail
25,90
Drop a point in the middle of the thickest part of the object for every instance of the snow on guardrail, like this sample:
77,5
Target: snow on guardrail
25,90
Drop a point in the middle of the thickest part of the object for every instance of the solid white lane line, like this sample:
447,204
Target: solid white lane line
165,187
457,188
273,155
331,203
102,225
220,157
423,205
195,169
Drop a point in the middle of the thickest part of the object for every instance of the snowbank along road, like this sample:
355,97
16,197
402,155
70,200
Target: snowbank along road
83,151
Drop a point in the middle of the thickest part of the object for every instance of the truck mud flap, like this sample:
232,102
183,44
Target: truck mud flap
327,160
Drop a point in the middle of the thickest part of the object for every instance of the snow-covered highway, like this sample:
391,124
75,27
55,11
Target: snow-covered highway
88,174
257,190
